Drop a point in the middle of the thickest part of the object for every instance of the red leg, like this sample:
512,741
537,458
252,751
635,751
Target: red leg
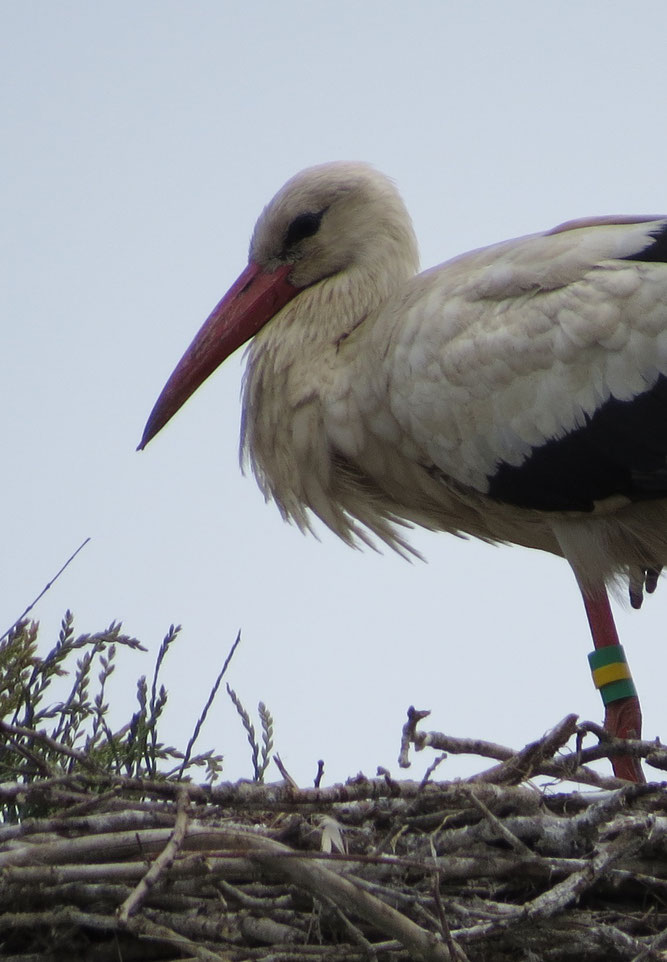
623,718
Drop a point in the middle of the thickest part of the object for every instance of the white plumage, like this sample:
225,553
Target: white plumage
513,394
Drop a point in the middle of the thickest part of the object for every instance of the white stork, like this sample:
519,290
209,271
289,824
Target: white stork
517,393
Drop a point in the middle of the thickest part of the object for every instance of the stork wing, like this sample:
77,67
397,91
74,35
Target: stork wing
535,371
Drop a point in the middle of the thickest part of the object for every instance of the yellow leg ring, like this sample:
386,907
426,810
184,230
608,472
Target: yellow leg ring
608,673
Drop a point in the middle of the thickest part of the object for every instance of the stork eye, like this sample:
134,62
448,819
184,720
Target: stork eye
303,225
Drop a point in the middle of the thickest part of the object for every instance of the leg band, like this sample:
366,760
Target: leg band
611,673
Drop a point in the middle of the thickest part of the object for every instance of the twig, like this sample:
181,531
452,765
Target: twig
342,891
160,933
45,589
520,847
517,765
411,736
432,767
356,934
283,771
570,888
209,702
51,743
524,763
455,950
657,943
161,863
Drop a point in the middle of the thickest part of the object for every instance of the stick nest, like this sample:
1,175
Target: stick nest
104,855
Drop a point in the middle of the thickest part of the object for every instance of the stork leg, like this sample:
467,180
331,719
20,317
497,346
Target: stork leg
623,716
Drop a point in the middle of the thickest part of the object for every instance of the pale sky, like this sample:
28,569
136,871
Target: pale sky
141,141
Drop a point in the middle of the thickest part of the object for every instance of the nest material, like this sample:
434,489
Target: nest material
485,869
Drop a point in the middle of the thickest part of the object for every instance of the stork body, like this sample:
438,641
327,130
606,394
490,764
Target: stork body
516,394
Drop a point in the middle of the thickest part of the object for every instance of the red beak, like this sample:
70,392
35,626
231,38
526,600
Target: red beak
245,308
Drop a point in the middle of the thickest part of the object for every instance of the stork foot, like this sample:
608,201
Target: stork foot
623,719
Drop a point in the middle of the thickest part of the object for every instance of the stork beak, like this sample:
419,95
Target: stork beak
251,301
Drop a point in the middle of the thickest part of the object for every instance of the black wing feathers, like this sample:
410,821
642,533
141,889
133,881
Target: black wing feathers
656,251
621,450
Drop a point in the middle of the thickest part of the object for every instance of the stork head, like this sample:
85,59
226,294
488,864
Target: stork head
329,218
326,220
